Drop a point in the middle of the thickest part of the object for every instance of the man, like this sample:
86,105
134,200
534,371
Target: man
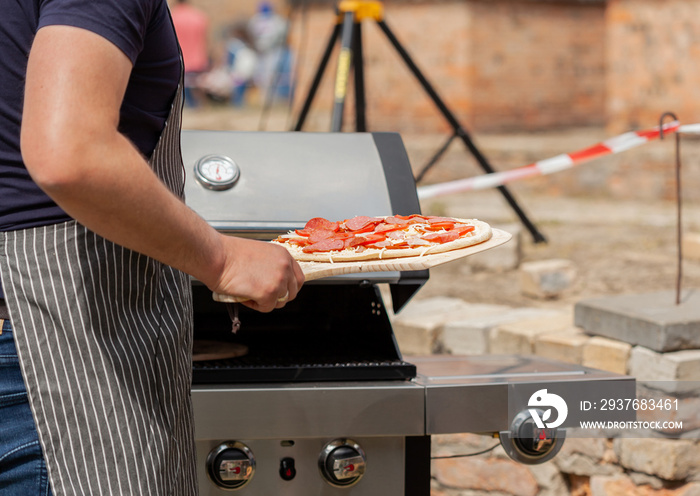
94,239
192,28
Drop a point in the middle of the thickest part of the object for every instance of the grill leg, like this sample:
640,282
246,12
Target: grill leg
317,78
417,475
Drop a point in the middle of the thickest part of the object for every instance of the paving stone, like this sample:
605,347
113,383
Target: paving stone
606,354
486,474
652,320
419,325
675,371
546,278
617,485
564,346
519,337
669,459
692,489
472,336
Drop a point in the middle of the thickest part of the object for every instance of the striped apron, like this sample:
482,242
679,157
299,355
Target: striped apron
104,340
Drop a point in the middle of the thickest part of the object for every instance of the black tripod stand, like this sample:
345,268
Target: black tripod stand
349,30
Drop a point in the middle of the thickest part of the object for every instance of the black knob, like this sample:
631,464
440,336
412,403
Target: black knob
342,463
230,465
533,440
287,469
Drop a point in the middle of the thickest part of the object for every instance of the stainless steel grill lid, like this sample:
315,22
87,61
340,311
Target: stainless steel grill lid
288,178
263,184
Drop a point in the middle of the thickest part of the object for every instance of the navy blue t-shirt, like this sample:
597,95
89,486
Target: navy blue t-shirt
140,28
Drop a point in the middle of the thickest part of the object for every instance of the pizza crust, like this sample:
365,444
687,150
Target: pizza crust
481,233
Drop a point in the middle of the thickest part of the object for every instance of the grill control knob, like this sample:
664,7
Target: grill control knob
342,463
527,443
231,465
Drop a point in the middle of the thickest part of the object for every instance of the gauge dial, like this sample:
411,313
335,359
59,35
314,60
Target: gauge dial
216,172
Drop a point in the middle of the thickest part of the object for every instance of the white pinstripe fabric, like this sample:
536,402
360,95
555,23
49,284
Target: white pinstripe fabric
104,340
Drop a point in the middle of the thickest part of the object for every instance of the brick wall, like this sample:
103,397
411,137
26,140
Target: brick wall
499,65
653,60
537,65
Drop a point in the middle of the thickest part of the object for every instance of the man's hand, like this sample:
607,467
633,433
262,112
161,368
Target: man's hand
264,273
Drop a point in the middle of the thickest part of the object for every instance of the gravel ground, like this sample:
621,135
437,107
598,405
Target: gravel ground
617,247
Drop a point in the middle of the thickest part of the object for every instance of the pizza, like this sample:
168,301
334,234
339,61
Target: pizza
380,238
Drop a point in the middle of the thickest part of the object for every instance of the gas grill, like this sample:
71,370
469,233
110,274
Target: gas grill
322,401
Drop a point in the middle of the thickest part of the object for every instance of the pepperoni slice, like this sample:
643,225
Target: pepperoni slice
343,235
321,223
362,223
396,219
368,228
357,222
319,235
354,241
325,245
303,232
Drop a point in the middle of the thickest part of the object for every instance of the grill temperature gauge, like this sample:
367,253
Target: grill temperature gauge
216,172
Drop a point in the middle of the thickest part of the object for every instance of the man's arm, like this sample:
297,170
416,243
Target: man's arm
74,152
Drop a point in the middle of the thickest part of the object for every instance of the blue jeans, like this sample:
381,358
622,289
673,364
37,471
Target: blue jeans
22,466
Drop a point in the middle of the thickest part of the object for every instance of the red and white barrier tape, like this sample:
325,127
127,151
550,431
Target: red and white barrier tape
555,164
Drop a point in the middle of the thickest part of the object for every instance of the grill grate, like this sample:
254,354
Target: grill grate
242,370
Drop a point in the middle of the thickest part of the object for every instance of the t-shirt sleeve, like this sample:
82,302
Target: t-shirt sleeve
122,22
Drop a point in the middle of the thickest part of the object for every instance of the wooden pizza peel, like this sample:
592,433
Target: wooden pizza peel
319,270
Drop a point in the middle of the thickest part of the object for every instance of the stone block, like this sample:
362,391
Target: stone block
419,325
606,354
683,407
617,485
564,346
547,278
549,479
587,457
504,257
668,459
486,474
652,320
518,338
676,371
472,336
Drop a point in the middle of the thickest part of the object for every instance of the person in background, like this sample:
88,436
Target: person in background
268,32
241,60
192,28
97,248
234,68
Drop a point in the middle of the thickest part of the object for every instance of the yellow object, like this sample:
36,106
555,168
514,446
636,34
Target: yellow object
362,9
